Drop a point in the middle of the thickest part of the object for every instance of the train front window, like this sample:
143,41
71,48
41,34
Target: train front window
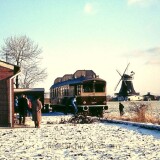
99,87
88,87
94,87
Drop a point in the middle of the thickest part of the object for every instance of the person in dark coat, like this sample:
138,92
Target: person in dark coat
121,107
36,112
23,106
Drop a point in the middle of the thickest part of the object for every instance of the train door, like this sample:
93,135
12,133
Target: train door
77,90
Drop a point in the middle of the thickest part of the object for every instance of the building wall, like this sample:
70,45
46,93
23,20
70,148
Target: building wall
5,99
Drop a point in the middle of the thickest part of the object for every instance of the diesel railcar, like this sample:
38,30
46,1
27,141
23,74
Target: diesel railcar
86,86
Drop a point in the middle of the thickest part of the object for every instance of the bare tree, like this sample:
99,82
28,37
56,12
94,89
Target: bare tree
31,74
24,53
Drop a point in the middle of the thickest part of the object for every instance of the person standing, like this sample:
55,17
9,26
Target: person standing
74,105
16,105
23,106
29,106
36,112
121,107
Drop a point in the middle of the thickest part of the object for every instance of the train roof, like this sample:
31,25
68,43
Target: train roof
67,77
76,81
68,82
77,78
57,80
84,73
77,74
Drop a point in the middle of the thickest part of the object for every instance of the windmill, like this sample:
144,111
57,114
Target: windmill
127,88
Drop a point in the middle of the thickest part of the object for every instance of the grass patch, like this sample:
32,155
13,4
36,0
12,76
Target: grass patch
137,113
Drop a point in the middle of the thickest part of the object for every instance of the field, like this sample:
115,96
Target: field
152,110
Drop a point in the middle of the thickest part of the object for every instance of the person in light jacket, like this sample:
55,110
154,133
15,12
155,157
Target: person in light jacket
36,112
74,105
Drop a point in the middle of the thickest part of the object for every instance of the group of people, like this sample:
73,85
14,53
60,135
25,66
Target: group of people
23,105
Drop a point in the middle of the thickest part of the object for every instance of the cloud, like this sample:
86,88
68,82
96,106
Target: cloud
149,56
154,56
154,51
89,8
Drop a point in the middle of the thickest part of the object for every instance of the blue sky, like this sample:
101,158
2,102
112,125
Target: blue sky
102,35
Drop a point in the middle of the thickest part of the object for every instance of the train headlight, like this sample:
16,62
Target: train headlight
104,102
105,108
85,108
84,102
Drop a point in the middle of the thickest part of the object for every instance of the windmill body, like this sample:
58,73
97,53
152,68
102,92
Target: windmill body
127,91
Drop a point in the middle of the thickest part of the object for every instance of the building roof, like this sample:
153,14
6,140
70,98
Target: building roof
15,68
28,89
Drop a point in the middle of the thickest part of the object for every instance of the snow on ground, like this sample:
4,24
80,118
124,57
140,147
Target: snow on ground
78,141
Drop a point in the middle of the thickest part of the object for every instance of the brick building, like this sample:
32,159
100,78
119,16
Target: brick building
7,74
